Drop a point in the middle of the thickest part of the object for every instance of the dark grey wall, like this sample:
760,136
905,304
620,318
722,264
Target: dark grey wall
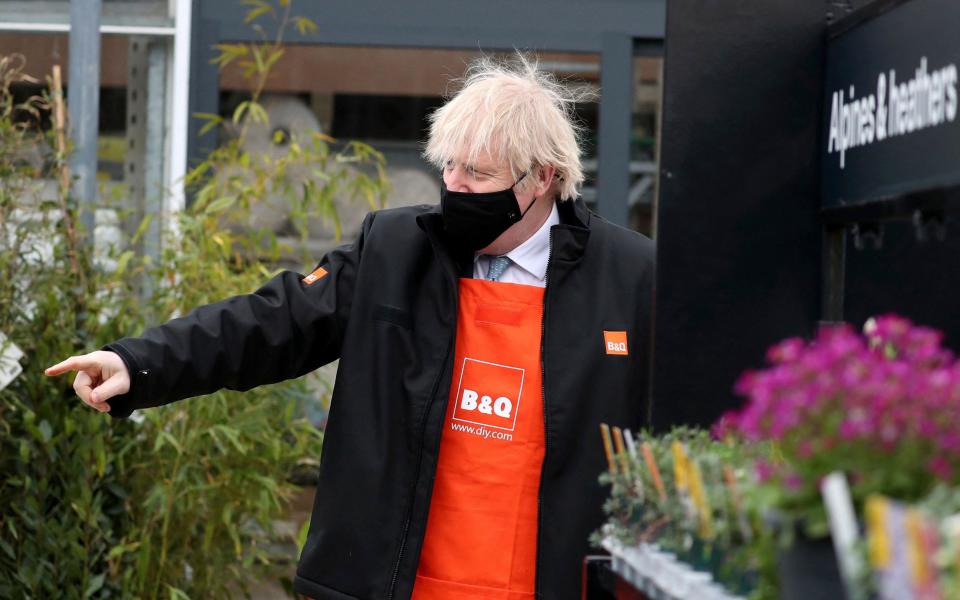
737,231
569,25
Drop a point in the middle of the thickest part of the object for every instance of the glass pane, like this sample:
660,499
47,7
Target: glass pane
644,143
42,51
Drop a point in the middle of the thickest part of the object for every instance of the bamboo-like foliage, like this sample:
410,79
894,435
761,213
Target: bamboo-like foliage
180,502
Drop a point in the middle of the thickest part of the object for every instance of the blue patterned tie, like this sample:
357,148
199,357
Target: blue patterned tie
497,265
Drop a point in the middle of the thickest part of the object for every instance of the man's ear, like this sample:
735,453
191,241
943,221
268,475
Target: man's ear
545,175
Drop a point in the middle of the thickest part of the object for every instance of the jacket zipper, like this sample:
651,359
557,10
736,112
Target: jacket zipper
546,428
416,473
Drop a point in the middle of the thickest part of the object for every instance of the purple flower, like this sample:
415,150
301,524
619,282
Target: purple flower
725,426
789,350
793,482
765,471
848,400
940,467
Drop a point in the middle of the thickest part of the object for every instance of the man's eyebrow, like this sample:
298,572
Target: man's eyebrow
482,169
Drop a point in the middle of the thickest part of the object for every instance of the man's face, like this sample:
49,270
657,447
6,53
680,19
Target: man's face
488,175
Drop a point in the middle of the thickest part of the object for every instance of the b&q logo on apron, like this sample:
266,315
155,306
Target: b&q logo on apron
488,394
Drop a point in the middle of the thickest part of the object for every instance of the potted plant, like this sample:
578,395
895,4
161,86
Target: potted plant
881,406
675,513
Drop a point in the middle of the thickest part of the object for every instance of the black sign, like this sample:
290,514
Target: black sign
891,123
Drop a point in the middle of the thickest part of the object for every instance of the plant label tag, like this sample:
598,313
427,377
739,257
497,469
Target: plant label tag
654,470
10,355
608,447
843,528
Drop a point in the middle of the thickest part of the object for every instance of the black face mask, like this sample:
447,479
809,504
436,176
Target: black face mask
473,220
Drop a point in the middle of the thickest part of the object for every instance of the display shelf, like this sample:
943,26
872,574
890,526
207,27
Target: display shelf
660,575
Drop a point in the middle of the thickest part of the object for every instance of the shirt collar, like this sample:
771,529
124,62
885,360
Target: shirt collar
533,254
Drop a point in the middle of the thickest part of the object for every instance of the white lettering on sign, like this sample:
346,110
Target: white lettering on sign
616,346
927,100
472,400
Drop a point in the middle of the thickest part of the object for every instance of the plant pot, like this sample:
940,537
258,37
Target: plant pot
808,569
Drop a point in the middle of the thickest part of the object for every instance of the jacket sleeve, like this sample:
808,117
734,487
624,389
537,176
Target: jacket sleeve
285,329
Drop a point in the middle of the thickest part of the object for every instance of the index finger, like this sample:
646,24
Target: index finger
74,363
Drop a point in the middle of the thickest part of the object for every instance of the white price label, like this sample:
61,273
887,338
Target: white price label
843,529
10,356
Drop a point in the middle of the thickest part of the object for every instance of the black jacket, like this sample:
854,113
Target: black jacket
387,309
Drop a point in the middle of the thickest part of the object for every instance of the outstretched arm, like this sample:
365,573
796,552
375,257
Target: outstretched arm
288,327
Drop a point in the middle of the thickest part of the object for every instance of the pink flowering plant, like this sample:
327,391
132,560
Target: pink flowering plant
882,406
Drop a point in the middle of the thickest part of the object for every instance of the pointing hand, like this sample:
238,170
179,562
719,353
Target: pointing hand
101,375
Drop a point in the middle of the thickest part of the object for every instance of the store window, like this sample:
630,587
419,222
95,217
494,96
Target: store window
41,51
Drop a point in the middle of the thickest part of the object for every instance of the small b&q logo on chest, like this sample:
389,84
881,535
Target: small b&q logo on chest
315,276
615,342
488,394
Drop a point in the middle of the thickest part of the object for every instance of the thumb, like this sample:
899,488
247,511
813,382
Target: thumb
116,385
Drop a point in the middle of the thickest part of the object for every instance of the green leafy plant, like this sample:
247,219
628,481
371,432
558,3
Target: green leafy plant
704,514
181,501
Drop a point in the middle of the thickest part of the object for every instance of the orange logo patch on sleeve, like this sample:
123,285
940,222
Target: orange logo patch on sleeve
615,342
315,276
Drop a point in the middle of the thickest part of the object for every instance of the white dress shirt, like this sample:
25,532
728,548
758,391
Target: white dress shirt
528,264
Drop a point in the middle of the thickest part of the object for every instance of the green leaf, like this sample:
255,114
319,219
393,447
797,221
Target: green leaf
305,25
177,593
143,561
141,229
238,112
228,53
233,436
8,549
258,114
220,204
273,57
120,549
101,455
302,536
164,437
208,531
214,121
258,58
254,13
94,586
45,431
123,261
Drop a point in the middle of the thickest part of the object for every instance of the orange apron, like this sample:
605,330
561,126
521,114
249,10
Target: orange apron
481,537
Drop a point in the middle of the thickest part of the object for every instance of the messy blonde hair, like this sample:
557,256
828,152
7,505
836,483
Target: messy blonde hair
515,113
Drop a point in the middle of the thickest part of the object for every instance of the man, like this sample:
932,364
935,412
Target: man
481,343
